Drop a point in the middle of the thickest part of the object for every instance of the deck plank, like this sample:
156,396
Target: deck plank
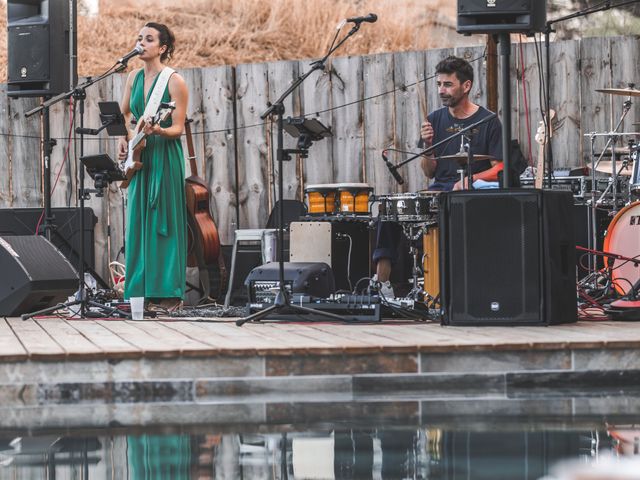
71,340
173,338
131,333
36,340
106,340
10,347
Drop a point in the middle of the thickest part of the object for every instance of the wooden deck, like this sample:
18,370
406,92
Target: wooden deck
57,339
59,373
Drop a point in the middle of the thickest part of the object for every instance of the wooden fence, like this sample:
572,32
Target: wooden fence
370,102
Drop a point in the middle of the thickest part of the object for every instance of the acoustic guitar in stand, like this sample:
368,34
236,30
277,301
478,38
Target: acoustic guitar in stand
133,163
541,140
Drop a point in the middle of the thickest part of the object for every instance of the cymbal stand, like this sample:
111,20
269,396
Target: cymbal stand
612,138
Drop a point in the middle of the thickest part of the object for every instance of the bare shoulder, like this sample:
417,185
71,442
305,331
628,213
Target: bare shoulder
177,81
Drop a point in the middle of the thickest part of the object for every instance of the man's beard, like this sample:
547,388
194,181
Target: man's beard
449,101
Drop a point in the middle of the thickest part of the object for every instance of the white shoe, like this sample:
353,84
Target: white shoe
383,288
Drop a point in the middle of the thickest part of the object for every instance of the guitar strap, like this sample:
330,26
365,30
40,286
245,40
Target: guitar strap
158,91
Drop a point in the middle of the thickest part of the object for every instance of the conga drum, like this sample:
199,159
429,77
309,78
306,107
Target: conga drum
321,199
430,260
354,198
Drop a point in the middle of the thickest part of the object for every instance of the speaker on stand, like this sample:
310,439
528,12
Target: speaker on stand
507,257
41,47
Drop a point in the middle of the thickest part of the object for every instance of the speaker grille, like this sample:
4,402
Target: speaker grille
39,258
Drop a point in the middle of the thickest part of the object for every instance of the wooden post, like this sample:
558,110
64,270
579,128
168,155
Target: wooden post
492,74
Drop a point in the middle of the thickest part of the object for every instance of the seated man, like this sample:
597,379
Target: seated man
454,79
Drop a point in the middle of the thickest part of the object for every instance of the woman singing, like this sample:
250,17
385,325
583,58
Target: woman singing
156,233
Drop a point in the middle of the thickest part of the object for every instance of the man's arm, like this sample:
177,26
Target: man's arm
428,163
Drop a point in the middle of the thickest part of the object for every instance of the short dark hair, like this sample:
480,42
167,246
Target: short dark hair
166,37
457,65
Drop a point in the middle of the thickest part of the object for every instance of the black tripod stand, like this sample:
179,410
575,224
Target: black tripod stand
282,300
79,95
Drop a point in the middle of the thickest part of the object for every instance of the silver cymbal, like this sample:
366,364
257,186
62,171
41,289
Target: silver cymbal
628,92
620,151
606,166
462,157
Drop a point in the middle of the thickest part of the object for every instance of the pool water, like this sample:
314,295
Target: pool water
590,451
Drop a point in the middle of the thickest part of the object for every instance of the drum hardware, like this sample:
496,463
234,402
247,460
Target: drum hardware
611,137
462,157
621,244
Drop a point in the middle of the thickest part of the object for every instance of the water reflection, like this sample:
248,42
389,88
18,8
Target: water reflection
334,454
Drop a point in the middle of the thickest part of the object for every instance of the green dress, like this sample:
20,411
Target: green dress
156,228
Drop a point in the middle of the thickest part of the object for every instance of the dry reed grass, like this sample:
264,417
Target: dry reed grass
219,32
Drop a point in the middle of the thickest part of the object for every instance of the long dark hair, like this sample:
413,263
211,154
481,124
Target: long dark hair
166,37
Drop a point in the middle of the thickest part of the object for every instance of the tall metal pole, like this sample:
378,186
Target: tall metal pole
505,103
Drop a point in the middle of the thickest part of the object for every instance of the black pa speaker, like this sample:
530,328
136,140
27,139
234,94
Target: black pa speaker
507,257
38,46
494,16
35,275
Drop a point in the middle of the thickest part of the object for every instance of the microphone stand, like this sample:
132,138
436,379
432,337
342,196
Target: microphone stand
282,300
394,168
79,95
547,33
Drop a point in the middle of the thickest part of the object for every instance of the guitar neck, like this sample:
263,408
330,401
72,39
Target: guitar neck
192,154
540,167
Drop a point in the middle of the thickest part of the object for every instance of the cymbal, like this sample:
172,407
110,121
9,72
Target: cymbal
606,167
620,91
462,157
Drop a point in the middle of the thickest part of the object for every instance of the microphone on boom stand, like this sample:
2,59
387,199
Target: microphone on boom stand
371,18
136,51
392,168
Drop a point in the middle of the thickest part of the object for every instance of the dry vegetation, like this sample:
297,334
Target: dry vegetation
217,32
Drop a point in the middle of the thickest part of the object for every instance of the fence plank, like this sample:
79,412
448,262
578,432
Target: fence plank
62,163
251,98
5,149
626,70
346,87
220,144
595,107
281,75
25,155
316,98
378,119
193,79
409,78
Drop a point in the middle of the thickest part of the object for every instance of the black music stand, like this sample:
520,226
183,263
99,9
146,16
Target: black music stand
282,301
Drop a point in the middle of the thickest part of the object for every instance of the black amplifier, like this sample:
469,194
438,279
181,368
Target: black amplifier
313,279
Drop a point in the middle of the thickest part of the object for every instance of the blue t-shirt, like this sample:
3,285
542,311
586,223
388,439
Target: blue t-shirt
486,140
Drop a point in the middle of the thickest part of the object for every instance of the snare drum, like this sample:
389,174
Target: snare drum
354,198
409,207
623,238
321,198
430,261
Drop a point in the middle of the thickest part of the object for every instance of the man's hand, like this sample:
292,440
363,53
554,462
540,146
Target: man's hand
426,133
461,186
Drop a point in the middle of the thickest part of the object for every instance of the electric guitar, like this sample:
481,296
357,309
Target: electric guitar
133,163
541,140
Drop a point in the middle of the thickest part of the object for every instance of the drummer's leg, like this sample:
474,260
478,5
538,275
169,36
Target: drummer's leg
387,238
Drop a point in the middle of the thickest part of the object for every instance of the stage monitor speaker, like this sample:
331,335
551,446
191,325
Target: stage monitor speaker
35,275
39,33
495,16
66,235
507,257
314,279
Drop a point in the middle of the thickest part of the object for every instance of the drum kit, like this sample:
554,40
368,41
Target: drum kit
621,196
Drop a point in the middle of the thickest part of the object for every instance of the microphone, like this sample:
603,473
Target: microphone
372,17
136,51
392,169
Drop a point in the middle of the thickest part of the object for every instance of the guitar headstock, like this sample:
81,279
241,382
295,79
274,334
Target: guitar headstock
541,133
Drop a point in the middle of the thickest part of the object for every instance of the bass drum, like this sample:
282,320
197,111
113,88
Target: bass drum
623,238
